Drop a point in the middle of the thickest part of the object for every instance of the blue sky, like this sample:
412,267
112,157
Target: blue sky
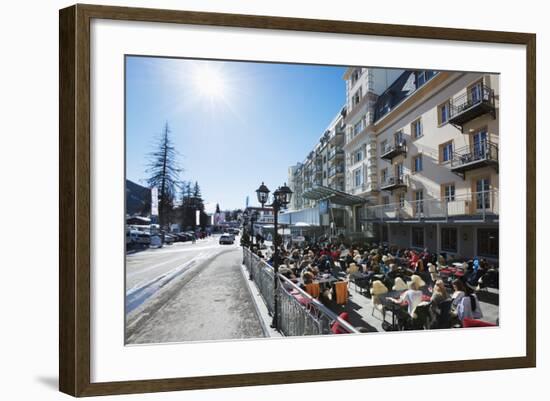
234,124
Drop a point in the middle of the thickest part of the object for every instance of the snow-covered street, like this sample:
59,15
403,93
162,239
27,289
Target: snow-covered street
186,291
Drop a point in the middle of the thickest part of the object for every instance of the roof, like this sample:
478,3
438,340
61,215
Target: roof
338,197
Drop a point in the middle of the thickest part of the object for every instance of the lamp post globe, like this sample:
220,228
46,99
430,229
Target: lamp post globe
263,193
284,195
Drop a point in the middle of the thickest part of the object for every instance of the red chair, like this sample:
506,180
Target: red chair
476,323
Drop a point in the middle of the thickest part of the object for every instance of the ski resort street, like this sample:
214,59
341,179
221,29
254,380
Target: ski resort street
189,292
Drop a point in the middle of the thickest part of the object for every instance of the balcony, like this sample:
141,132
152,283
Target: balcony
483,154
391,151
335,153
477,100
393,183
336,171
477,206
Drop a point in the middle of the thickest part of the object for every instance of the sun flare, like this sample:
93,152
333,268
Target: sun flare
209,82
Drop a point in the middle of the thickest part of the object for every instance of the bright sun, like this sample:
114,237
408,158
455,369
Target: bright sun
209,82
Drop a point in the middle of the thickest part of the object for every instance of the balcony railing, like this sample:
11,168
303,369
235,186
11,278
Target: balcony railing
333,171
394,182
393,150
478,155
365,187
478,100
334,152
469,207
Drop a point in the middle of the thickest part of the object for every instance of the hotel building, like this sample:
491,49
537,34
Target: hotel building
411,160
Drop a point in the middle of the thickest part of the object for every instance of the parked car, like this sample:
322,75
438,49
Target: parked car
227,239
169,238
184,237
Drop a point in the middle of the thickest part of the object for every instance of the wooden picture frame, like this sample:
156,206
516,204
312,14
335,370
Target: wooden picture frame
74,199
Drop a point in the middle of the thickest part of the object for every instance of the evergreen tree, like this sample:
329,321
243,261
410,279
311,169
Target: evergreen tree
164,174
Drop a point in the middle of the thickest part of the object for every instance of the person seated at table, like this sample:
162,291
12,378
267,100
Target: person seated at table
307,278
439,293
469,307
459,291
400,285
413,296
353,268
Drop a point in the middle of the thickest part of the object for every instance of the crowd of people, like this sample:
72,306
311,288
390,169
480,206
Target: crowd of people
381,270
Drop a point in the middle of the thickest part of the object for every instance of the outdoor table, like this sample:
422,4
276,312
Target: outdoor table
395,306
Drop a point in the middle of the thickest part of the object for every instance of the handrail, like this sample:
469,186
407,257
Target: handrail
466,100
265,291
322,308
472,204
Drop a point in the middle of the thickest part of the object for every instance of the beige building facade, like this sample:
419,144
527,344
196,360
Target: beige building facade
437,166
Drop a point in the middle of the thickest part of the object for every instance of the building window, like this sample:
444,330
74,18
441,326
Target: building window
417,237
419,201
398,138
401,199
448,192
475,92
356,97
383,146
446,152
358,156
357,128
479,144
355,76
449,239
325,174
483,199
417,164
487,242
358,177
385,201
420,78
443,112
399,171
384,175
416,128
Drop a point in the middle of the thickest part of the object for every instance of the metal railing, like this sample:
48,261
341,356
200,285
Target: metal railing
334,152
475,95
394,180
294,317
336,170
474,205
482,151
400,146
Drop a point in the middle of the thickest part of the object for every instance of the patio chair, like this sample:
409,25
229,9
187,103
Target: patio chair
341,291
420,318
313,289
443,317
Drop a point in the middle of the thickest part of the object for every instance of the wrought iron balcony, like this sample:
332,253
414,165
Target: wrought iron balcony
393,183
478,100
390,151
335,153
476,156
337,170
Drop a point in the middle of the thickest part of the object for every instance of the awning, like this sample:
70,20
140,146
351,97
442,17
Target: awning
338,197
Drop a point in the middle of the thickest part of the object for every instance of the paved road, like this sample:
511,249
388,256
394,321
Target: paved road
197,293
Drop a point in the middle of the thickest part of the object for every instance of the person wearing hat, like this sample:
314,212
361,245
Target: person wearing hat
352,268
413,296
400,285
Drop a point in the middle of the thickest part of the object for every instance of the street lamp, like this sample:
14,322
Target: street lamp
281,198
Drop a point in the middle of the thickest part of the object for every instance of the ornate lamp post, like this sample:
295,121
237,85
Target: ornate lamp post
281,198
